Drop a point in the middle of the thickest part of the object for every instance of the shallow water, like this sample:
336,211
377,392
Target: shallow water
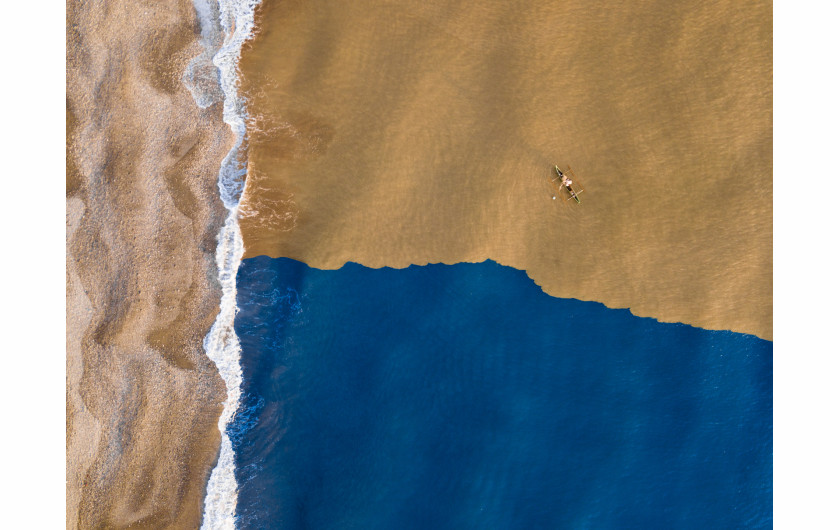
464,397
392,133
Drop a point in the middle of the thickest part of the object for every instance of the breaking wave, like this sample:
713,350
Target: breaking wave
213,76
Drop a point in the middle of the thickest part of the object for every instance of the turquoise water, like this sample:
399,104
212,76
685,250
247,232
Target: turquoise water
464,397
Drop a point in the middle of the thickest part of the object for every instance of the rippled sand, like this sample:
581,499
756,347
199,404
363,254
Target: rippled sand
143,399
392,133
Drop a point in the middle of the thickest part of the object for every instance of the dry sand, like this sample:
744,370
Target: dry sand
143,399
391,133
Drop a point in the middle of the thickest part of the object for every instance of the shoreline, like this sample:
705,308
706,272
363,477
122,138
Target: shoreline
143,214
235,21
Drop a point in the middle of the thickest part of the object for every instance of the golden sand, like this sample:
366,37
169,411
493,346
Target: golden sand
143,399
391,133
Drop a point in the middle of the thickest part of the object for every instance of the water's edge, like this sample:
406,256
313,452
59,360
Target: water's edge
225,26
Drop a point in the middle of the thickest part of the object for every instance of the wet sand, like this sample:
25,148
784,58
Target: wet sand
391,134
143,399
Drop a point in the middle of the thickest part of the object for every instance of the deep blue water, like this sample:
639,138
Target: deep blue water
464,397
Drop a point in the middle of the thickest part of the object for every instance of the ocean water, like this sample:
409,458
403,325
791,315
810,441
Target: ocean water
462,396
437,125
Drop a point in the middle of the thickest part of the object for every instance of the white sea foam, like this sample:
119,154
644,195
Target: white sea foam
237,17
201,76
222,346
227,34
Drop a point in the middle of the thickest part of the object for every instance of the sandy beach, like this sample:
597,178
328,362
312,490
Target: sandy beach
390,134
143,399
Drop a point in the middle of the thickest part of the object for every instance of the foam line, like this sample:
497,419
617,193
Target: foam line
222,346
226,34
